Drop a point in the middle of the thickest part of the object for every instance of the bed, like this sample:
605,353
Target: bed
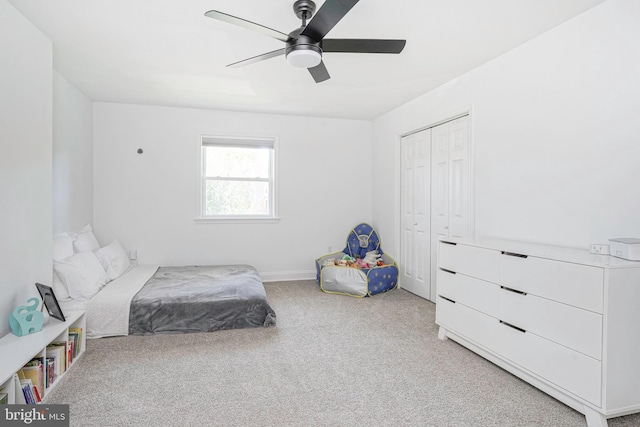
149,299
122,299
200,299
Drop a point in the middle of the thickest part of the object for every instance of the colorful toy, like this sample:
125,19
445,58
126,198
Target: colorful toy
329,261
360,263
374,271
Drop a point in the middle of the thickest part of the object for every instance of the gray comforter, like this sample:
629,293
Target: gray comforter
200,299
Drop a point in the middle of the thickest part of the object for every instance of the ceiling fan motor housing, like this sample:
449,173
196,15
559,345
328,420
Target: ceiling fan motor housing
304,9
303,51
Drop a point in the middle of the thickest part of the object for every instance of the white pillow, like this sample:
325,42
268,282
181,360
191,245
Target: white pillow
86,241
62,246
114,259
59,288
82,274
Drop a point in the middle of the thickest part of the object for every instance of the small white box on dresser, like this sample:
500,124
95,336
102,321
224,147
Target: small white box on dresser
626,248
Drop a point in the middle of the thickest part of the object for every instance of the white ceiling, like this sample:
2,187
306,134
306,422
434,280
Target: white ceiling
166,52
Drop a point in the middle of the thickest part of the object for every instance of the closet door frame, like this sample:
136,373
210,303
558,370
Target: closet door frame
427,124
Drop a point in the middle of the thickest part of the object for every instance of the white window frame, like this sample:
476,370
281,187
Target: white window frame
246,142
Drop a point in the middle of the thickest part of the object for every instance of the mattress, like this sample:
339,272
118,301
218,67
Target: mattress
200,299
177,299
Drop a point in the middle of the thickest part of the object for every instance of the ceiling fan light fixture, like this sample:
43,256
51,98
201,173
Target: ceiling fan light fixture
304,58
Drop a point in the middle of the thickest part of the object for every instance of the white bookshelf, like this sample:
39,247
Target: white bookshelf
16,352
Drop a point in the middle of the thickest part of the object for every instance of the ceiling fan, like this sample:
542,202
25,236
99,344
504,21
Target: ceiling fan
305,45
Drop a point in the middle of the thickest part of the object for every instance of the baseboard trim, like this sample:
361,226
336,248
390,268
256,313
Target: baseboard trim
285,276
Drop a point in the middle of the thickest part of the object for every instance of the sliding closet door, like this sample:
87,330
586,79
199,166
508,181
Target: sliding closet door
450,185
415,256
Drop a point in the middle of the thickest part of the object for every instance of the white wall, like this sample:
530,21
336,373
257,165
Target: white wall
72,156
148,202
556,133
25,162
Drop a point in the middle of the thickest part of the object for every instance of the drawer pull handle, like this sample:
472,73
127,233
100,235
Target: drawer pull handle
515,291
448,243
447,271
514,254
514,327
450,300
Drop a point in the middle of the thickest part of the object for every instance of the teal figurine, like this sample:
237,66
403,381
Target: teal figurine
26,319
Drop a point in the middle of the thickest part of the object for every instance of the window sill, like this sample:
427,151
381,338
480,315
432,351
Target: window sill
236,220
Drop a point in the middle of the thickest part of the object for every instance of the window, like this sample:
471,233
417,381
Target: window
238,178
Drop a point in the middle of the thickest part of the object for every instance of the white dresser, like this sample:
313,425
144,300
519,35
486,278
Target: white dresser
564,320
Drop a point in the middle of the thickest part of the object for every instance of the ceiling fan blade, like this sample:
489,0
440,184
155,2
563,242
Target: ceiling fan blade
214,14
331,12
319,73
363,45
258,58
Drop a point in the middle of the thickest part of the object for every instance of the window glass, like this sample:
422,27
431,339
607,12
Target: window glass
237,198
238,178
237,162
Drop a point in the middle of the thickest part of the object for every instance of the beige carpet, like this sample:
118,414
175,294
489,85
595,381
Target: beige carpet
330,361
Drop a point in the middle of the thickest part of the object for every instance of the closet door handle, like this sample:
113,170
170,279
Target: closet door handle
515,291
448,299
517,255
448,243
447,271
513,327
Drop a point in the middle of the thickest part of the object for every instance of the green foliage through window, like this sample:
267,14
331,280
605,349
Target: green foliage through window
238,178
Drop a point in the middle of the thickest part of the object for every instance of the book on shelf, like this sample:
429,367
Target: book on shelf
49,367
19,395
29,391
36,393
75,335
69,352
72,352
34,370
58,352
76,331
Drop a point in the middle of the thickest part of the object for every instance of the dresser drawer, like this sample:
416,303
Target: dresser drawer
568,369
476,262
475,293
572,327
574,284
477,327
